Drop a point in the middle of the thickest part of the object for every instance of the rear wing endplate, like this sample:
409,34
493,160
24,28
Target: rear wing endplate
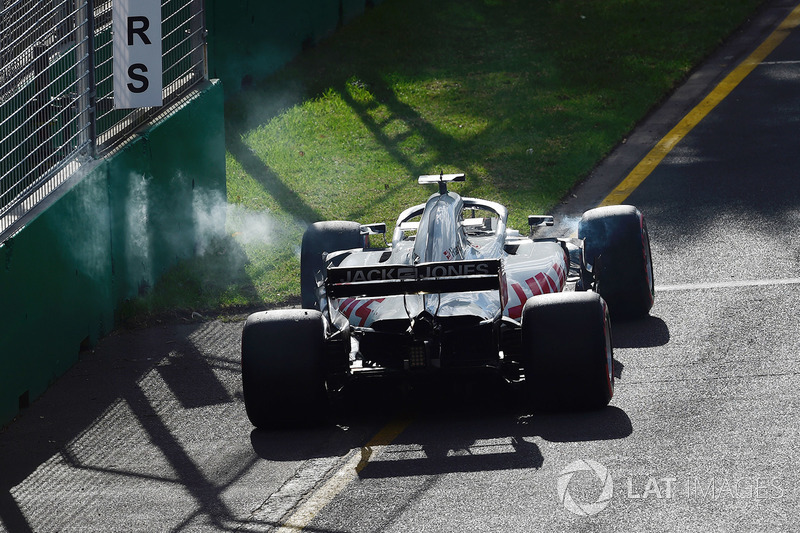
424,278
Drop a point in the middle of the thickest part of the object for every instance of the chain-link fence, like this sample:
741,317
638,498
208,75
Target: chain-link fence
56,91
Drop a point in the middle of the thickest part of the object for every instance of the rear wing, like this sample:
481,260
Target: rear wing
424,278
442,179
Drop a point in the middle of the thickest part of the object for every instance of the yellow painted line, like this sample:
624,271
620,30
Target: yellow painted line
725,87
343,476
383,438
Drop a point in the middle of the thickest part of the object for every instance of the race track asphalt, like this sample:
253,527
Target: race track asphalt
148,432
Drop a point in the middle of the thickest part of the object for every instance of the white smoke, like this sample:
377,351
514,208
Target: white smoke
216,219
568,226
137,239
209,212
251,227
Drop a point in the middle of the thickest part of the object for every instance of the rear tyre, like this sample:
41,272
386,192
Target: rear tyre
283,377
567,353
617,245
319,238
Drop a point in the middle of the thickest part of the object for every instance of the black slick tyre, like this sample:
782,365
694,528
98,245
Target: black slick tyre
283,377
617,246
567,354
319,238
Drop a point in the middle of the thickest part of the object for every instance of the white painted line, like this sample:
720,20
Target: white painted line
728,284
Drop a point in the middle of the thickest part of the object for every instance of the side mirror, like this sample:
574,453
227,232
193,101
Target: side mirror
538,221
373,229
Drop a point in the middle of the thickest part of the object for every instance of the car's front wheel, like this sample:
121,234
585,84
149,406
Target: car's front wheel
617,245
319,238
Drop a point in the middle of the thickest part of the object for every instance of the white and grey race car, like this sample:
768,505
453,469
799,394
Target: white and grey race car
455,290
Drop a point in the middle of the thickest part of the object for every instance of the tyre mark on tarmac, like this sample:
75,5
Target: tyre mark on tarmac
696,115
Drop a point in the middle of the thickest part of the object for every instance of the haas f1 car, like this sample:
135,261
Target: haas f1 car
456,290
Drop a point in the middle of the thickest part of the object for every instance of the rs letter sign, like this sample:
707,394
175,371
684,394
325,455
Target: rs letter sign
137,53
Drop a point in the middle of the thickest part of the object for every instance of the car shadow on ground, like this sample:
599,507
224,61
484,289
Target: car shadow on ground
454,426
648,332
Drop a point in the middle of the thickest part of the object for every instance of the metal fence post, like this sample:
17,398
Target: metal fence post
92,109
197,42
40,111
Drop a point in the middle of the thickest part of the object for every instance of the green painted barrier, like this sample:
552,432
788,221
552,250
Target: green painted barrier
112,235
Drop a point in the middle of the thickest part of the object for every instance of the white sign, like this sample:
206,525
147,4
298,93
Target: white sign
137,53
